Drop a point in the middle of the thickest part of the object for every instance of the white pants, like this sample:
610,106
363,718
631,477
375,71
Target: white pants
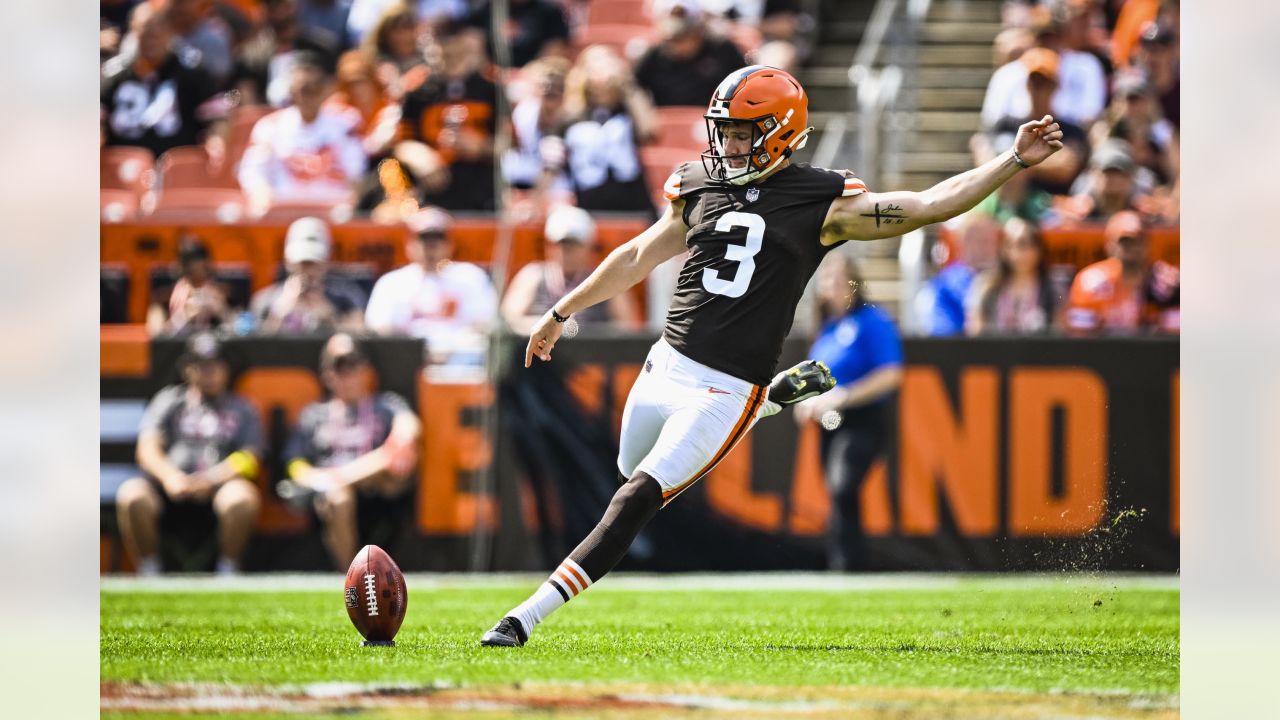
682,418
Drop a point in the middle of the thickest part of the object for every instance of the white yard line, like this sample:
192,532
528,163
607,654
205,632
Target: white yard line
774,581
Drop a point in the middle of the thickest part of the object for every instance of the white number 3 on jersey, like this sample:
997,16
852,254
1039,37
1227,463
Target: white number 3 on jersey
745,255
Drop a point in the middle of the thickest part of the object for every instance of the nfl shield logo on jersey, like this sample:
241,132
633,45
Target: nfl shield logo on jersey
753,193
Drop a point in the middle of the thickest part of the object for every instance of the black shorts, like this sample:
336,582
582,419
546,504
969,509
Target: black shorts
188,529
382,519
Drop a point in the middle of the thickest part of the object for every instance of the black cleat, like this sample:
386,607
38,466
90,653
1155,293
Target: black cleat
507,633
808,379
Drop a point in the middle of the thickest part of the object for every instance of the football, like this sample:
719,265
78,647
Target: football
375,595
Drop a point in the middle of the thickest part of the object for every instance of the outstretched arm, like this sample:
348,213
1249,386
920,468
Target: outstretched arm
627,265
872,216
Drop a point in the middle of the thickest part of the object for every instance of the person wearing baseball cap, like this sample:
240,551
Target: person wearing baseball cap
351,456
569,238
1126,293
309,299
1110,186
449,304
1054,176
198,448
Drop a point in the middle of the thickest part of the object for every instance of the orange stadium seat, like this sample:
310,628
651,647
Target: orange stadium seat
630,41
288,212
188,168
659,161
126,168
616,12
213,205
680,127
239,129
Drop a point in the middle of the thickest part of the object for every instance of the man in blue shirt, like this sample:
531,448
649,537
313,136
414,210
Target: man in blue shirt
861,345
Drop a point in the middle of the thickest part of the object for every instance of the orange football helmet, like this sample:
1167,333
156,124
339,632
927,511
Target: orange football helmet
778,110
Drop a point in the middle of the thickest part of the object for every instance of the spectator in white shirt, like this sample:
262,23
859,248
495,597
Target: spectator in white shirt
306,153
1082,88
449,304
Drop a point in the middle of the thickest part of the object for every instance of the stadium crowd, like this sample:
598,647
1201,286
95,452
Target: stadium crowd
409,113
1108,72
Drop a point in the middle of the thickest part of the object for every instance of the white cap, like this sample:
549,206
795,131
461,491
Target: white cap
307,240
429,220
570,223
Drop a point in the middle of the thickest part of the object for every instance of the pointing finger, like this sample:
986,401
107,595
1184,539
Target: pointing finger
528,353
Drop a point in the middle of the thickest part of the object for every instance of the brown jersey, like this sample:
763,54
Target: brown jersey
752,250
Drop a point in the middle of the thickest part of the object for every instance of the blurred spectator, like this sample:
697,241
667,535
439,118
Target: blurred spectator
264,68
309,299
1083,92
1158,58
1134,116
450,121
1127,292
861,346
393,41
197,25
1016,297
197,301
1008,46
940,307
1080,91
1018,197
535,28
199,448
329,17
1112,184
362,95
366,14
569,241
160,99
355,452
609,118
789,22
1134,16
1056,174
305,153
688,63
538,115
113,23
449,304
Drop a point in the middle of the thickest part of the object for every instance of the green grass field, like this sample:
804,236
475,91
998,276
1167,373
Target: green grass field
732,646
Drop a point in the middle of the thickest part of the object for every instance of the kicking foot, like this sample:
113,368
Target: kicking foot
808,379
507,633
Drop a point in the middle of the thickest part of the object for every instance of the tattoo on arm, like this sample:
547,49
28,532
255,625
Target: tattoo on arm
890,214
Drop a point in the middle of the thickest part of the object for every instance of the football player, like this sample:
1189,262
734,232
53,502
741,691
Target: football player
755,226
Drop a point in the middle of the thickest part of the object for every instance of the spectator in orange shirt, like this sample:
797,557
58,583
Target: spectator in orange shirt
1126,293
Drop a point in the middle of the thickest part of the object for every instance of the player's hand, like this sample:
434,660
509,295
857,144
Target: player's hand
1038,139
177,486
542,339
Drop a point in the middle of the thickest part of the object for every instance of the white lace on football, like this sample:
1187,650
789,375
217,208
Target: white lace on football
371,595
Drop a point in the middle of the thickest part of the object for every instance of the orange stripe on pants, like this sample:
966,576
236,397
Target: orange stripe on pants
748,412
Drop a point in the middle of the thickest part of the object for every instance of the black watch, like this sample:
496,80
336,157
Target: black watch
557,316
